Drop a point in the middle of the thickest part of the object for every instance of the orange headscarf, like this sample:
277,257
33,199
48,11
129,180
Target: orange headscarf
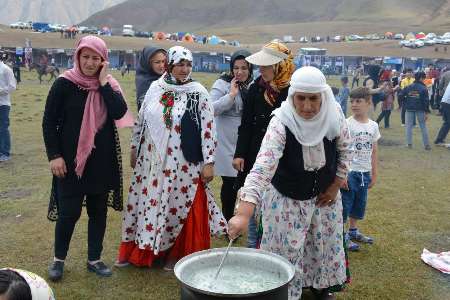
283,72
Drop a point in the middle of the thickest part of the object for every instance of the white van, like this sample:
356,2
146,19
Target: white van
127,30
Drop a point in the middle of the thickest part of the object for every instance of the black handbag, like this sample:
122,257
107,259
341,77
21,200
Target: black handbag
191,138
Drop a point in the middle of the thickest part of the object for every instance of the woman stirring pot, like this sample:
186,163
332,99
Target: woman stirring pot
303,160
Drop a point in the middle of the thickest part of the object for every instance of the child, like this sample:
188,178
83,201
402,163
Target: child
363,168
388,103
23,285
342,97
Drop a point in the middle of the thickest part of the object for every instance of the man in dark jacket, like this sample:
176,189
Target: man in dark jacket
417,105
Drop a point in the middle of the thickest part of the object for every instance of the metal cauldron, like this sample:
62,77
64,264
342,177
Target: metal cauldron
244,257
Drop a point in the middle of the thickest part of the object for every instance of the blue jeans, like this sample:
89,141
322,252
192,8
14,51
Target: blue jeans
354,199
252,236
5,137
410,116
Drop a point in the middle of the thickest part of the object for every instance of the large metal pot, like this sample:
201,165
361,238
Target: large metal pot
250,259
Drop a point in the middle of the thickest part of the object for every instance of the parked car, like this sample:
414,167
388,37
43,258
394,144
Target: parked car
404,43
429,42
92,30
144,34
442,41
375,37
431,36
355,37
19,25
83,29
288,39
419,43
399,36
338,38
303,39
412,43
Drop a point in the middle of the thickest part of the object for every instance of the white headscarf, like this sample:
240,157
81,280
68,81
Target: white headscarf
310,132
176,55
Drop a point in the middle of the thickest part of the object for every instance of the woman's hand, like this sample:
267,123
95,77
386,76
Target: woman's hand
238,164
102,77
58,167
329,196
133,157
239,223
234,89
207,173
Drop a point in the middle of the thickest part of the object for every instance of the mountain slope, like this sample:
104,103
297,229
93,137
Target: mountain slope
198,15
56,11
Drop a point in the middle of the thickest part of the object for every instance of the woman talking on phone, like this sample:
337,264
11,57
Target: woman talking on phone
84,106
228,96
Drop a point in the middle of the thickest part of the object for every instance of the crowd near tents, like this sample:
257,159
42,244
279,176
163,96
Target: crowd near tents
219,62
71,31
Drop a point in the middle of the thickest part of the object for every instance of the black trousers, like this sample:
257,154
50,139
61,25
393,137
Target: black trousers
228,194
445,110
355,80
69,211
385,114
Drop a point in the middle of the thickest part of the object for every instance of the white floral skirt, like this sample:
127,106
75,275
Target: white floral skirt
311,238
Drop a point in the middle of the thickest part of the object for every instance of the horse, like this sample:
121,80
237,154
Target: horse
43,70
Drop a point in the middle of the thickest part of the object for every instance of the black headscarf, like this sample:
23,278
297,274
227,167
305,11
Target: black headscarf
243,86
145,75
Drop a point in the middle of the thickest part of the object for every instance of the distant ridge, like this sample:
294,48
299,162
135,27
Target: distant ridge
201,15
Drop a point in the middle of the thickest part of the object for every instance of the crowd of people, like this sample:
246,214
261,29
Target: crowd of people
417,94
294,169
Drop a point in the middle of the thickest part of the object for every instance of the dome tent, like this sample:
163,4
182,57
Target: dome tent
213,40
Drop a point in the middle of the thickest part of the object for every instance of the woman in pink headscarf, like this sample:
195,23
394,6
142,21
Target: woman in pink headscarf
84,108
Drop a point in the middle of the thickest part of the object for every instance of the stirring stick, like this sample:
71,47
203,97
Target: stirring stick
223,259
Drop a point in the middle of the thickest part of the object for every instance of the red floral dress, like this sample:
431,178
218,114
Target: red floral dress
169,210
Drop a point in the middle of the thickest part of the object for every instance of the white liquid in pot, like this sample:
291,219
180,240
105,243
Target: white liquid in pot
234,279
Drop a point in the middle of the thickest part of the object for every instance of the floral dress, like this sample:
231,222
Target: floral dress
310,237
164,185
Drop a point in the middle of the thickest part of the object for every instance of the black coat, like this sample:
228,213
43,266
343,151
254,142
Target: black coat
255,120
61,129
416,97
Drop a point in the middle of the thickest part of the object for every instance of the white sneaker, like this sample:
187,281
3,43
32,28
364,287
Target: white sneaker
4,158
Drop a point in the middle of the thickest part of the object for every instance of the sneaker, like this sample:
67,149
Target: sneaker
403,125
170,265
352,246
409,146
428,147
4,158
121,264
99,268
440,144
56,270
357,236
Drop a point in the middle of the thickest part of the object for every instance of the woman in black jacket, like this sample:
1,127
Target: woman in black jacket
276,66
83,149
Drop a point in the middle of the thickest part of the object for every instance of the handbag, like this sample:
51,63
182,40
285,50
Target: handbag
191,139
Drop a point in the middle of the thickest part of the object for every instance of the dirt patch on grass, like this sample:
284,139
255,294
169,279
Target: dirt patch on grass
15,194
389,143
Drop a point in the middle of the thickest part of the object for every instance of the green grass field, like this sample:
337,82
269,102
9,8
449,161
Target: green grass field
408,210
